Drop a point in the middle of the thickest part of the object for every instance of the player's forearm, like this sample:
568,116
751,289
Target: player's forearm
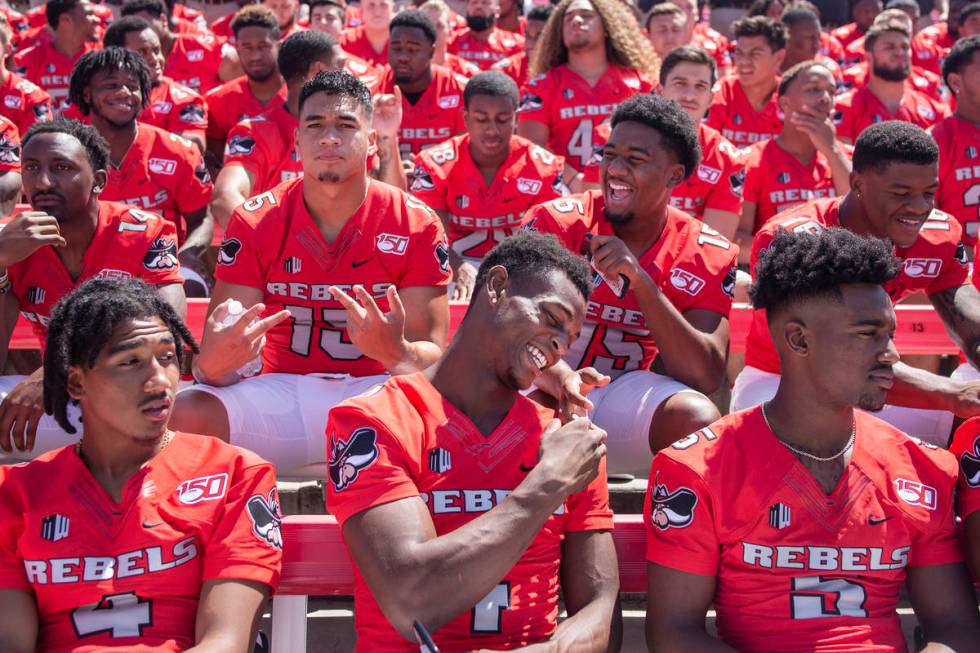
416,356
690,356
224,203
840,168
596,628
390,164
917,388
10,187
200,233
959,309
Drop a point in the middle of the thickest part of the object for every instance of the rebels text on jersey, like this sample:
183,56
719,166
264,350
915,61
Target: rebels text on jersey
49,68
273,244
479,216
128,576
716,184
936,261
691,263
959,173
194,62
266,148
128,243
571,108
797,569
435,117
161,172
406,441
733,115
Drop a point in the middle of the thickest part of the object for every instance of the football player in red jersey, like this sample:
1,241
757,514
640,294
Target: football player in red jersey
929,47
803,161
370,40
714,192
256,32
294,255
516,66
68,236
744,109
194,60
465,505
664,285
481,183
48,64
803,32
136,538
863,12
432,96
21,101
481,42
834,510
591,56
149,167
886,95
966,447
958,138
893,185
172,106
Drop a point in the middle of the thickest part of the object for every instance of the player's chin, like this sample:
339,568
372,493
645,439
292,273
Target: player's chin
872,400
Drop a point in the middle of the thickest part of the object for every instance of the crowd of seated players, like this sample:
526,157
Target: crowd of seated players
598,181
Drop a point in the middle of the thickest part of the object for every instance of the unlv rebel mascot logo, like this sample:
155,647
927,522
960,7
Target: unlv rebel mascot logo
672,509
970,464
348,459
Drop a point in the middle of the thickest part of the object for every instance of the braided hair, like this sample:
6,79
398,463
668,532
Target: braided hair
82,324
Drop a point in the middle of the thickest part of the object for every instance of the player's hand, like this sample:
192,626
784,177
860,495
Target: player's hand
377,335
27,233
569,455
465,280
20,413
574,390
611,256
387,117
224,349
818,127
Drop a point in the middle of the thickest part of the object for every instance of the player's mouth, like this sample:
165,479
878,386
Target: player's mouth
911,224
690,107
618,192
537,357
329,157
883,376
45,199
159,410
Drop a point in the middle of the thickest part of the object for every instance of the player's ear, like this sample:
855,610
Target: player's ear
76,386
496,283
675,175
101,179
795,336
372,148
857,183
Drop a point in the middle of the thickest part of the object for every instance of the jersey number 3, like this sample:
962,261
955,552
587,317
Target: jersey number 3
119,615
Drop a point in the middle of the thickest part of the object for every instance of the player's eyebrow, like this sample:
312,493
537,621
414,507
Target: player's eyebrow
136,343
872,322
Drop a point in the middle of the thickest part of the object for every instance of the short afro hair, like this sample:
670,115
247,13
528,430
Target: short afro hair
154,7
82,324
108,59
773,32
677,132
687,54
96,147
115,35
960,56
338,82
795,71
893,141
255,16
416,18
529,254
541,12
493,83
54,9
301,50
798,14
799,266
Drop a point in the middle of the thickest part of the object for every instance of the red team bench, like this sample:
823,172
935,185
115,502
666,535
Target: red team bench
920,331
315,563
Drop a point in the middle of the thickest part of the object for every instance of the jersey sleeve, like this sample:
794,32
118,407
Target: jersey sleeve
541,218
238,256
678,516
589,509
160,266
752,188
727,194
12,575
535,103
190,113
718,111
194,184
429,181
245,150
937,542
844,116
966,448
9,147
955,268
428,255
246,541
367,464
702,276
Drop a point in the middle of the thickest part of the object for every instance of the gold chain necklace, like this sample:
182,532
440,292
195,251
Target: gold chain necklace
167,437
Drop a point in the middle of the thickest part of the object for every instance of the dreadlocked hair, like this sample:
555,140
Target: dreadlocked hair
108,59
625,43
82,323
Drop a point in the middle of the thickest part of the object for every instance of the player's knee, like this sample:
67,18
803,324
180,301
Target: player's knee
679,415
200,412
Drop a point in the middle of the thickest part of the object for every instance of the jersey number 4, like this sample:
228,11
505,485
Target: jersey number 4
119,615
814,597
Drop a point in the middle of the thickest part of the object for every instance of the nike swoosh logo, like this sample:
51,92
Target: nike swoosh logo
525,468
147,524
874,522
355,264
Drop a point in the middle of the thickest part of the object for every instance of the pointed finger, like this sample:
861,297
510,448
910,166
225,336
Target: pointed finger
367,301
354,309
395,307
260,328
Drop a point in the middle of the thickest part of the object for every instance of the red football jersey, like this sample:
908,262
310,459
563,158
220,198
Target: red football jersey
462,66
959,173
797,569
716,184
715,44
162,172
222,28
936,261
233,102
23,102
175,108
480,217
854,53
831,47
265,146
406,441
272,243
354,40
931,45
9,146
128,576
515,67
845,34
571,108
966,448
860,108
775,180
47,67
500,44
194,61
737,120
368,73
435,117
919,79
692,264
128,243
